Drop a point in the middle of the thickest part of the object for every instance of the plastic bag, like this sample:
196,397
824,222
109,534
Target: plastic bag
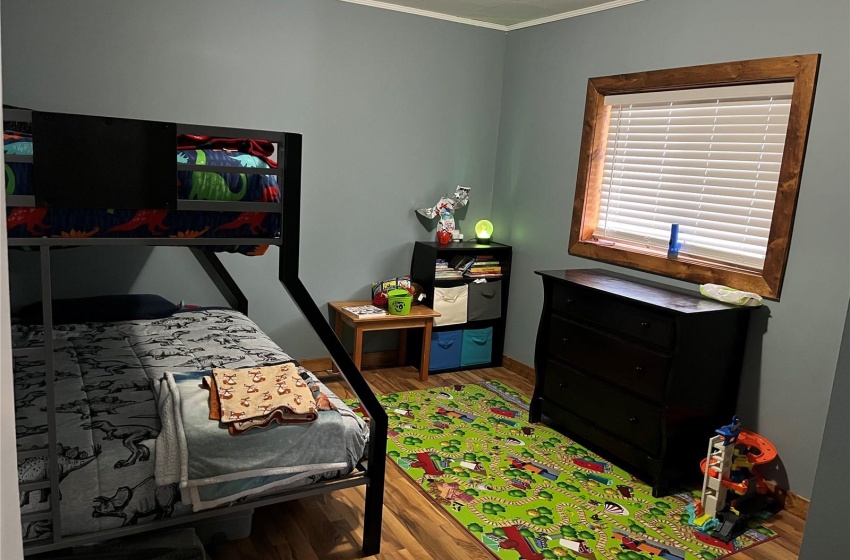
730,295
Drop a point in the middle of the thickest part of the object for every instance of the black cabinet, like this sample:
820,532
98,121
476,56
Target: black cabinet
640,372
479,340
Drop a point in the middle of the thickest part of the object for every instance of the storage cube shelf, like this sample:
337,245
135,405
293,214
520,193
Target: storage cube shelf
471,332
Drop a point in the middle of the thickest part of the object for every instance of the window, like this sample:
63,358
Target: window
714,152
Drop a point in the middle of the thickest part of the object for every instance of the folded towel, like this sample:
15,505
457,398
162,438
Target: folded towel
245,394
278,415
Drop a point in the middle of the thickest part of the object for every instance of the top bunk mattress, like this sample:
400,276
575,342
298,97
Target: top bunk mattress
29,222
106,415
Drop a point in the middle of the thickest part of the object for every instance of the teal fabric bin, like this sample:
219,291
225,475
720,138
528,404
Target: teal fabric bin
445,350
477,346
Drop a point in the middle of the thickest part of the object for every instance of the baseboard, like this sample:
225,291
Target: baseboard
794,504
388,358
370,360
519,368
316,364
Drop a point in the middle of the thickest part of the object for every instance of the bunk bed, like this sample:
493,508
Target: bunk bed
94,377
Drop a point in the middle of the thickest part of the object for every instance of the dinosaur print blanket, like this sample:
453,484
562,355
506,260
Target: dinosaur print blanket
191,185
106,412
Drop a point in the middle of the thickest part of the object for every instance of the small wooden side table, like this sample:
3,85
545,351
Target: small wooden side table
420,317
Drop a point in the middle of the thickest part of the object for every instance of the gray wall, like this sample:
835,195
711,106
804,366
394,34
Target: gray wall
789,369
10,514
829,516
396,110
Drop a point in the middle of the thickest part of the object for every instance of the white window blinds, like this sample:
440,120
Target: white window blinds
706,159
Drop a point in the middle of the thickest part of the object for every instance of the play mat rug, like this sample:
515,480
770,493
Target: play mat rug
528,492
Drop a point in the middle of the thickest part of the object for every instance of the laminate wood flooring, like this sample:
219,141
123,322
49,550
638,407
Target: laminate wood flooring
330,526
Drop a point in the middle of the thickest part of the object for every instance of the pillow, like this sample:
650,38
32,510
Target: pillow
101,309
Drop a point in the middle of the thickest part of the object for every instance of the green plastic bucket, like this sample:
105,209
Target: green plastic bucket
398,302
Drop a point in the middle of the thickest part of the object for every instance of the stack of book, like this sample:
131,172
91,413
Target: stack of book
361,311
484,267
445,271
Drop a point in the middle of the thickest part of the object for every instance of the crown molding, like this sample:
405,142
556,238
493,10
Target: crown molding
572,14
426,13
476,23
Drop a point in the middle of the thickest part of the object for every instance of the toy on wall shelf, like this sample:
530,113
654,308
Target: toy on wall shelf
445,209
730,464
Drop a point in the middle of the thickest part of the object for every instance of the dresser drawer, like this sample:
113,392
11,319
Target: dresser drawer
605,405
629,365
630,320
613,448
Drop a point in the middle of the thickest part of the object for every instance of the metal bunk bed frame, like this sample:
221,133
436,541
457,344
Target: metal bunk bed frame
369,472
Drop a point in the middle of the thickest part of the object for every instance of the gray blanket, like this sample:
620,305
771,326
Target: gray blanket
107,420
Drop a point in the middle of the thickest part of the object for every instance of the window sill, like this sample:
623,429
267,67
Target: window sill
689,269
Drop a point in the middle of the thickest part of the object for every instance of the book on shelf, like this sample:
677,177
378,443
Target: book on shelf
484,275
365,311
462,262
490,269
448,275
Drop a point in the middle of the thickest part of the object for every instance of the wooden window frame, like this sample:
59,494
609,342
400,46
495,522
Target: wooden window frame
801,70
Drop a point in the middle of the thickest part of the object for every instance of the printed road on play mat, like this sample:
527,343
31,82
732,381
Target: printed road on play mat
528,492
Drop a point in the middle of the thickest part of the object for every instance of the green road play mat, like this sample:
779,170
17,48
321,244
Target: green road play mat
528,492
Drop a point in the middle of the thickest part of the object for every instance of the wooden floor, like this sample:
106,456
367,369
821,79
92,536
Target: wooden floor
330,526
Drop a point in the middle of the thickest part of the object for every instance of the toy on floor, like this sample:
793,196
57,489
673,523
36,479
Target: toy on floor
730,464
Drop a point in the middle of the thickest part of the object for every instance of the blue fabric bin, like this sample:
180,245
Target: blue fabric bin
477,346
445,350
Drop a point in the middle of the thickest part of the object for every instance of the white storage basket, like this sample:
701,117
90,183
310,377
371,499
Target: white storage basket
451,303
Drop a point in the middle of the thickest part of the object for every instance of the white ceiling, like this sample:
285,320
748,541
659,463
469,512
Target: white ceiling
497,14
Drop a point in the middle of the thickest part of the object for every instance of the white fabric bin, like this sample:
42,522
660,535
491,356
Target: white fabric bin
451,303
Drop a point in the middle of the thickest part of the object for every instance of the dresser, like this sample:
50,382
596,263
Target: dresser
640,372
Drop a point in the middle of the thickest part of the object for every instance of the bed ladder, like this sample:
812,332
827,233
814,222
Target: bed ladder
288,276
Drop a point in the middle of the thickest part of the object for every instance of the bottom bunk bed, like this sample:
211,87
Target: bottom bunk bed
90,411
107,421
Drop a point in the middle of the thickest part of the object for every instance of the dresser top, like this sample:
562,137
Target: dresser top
639,290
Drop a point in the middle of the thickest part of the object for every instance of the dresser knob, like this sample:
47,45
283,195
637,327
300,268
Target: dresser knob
565,341
562,385
638,369
568,301
633,420
645,324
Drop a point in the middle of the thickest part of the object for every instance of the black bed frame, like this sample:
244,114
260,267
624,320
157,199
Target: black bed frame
369,472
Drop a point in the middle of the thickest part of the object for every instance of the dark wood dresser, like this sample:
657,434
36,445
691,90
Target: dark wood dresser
640,372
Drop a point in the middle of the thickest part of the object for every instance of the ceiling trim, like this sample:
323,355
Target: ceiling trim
572,14
468,21
426,13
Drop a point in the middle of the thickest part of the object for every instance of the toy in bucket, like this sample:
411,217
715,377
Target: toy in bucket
380,290
399,302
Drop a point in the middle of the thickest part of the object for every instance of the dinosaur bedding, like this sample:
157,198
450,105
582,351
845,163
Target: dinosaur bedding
191,185
107,421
